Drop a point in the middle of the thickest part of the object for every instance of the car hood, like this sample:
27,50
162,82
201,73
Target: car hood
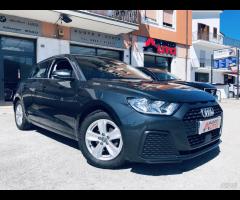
198,85
168,91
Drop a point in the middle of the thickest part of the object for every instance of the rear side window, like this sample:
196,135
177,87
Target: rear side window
41,69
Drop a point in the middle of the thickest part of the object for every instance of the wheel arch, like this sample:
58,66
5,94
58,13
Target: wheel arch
15,100
94,106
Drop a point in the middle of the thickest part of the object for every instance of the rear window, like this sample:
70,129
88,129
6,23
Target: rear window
104,68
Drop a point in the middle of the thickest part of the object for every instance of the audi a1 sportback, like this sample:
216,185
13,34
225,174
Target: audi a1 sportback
116,112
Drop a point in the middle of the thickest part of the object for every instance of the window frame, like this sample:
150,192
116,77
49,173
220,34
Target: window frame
201,73
96,48
215,34
202,58
52,65
159,21
164,25
151,21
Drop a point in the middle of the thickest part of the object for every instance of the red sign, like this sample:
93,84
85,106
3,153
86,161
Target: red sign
160,46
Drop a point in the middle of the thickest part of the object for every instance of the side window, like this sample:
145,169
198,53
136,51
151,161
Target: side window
61,65
40,70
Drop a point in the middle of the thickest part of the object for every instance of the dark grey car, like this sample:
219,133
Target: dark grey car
116,112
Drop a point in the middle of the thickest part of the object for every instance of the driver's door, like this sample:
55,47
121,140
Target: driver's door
60,100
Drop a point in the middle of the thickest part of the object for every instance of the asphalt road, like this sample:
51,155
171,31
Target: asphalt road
42,160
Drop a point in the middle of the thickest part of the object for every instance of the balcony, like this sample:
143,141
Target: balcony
106,21
204,65
127,16
210,40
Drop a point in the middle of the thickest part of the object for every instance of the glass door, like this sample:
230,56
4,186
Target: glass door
16,69
17,57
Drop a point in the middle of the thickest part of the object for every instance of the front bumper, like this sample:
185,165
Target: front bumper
167,139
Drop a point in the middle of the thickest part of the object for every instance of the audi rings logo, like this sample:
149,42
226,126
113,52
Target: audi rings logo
207,112
3,18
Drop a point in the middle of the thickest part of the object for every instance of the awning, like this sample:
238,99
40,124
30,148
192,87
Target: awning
231,74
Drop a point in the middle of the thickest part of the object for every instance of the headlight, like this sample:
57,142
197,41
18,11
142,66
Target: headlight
147,106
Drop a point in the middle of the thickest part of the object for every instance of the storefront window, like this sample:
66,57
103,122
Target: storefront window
149,61
228,79
201,77
16,45
93,51
83,50
109,53
163,63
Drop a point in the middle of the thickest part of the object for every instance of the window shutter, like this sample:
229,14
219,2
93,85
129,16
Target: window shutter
168,17
151,14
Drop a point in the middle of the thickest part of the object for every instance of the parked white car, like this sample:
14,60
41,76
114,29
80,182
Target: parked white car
232,90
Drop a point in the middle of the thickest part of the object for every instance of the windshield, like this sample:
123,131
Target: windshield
105,68
163,75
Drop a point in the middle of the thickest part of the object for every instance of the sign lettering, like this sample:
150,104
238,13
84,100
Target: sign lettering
160,47
20,25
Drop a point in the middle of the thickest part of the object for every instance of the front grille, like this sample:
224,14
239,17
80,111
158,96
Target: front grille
157,144
195,114
191,120
196,140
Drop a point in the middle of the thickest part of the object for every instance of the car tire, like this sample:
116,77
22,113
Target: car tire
20,117
231,95
107,159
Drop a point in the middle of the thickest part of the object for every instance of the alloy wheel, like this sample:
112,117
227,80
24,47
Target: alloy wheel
104,140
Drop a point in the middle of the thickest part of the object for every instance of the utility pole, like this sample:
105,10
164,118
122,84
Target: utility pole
186,63
237,74
130,48
212,63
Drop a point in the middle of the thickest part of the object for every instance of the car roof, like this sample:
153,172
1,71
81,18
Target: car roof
152,69
80,55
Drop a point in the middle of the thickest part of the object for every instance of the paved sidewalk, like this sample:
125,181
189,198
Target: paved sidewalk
39,159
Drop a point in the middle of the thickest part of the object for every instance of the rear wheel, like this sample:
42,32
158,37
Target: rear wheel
20,117
101,141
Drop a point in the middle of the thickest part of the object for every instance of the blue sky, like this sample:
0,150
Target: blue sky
230,23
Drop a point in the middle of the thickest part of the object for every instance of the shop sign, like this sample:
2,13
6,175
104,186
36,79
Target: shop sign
224,53
160,47
96,38
19,25
225,63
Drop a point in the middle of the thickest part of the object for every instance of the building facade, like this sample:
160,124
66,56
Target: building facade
163,40
139,37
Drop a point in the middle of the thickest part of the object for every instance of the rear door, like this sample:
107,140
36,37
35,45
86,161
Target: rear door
39,76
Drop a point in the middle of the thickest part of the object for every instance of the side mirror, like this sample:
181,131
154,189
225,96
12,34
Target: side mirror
63,74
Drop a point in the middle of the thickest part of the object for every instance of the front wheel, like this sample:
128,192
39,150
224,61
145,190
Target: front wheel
101,141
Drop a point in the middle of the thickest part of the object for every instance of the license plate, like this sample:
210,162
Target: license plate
209,125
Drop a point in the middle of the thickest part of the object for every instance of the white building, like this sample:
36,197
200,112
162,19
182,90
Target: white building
206,38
